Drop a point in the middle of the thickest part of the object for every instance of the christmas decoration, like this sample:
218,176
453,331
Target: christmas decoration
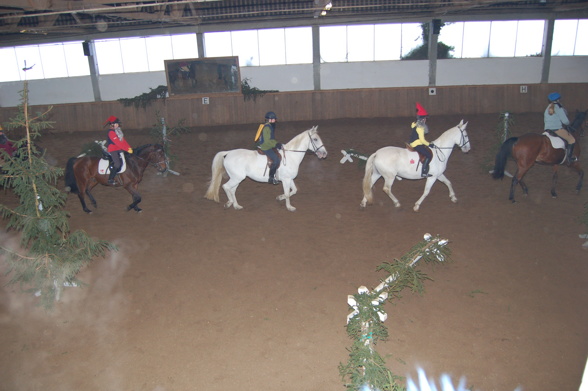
349,153
49,256
366,369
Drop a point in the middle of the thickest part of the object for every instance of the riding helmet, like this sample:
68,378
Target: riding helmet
554,96
112,120
271,115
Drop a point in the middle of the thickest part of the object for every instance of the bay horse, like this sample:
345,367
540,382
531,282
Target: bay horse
81,174
239,164
529,149
395,162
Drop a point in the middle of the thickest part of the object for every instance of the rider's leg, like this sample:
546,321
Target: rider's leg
422,150
425,172
273,168
116,165
570,146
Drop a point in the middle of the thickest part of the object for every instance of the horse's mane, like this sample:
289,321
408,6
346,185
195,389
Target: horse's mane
296,140
578,121
140,149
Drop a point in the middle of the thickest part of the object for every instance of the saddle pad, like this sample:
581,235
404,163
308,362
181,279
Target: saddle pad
556,142
104,169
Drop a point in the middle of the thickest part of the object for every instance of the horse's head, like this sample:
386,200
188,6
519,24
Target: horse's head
463,138
153,154
316,144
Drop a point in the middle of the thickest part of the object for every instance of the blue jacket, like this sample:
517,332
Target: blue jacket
556,120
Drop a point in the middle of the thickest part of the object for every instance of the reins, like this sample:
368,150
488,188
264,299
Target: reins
147,160
463,144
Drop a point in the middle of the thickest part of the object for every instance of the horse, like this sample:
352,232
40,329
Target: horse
576,128
239,164
529,149
395,162
81,174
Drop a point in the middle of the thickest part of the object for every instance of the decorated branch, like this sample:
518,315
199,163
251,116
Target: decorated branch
49,255
366,370
348,154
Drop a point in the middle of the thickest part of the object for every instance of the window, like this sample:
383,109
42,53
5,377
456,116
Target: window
134,55
298,45
272,47
218,44
569,38
360,43
245,45
386,47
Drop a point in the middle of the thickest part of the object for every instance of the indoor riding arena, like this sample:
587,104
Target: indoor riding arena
202,297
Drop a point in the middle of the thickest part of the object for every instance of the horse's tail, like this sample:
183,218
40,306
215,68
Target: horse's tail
501,157
367,179
218,170
70,179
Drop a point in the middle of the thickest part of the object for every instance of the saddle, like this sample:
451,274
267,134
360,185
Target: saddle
106,162
269,161
421,156
556,141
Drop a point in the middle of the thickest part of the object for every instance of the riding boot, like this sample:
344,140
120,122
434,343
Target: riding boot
272,176
570,158
111,176
425,172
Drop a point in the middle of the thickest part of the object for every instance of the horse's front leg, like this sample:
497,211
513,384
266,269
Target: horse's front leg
293,190
554,181
576,166
428,185
136,198
287,184
444,179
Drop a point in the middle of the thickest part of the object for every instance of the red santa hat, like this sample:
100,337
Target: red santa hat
420,111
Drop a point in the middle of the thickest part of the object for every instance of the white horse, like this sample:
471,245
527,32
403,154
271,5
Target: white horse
239,164
394,162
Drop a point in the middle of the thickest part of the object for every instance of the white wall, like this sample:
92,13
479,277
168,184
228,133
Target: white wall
478,71
487,71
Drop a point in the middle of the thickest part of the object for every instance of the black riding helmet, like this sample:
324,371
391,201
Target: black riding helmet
271,115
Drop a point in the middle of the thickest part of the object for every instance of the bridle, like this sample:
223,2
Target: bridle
156,165
464,141
314,147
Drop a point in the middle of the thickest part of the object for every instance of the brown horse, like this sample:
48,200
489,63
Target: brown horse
527,150
81,174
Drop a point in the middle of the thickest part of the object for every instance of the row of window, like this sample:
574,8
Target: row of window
285,46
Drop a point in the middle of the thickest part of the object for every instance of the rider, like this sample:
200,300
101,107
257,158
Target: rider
418,141
116,144
266,142
555,119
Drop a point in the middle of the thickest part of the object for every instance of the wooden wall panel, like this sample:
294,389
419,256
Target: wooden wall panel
230,109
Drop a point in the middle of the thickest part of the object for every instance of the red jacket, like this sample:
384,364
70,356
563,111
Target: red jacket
8,147
117,144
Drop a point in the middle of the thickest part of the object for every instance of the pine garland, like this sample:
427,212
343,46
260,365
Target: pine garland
366,369
50,255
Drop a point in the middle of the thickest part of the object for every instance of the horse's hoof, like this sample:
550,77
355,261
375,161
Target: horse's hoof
292,209
228,205
139,210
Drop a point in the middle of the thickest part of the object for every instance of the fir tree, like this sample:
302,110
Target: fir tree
50,256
